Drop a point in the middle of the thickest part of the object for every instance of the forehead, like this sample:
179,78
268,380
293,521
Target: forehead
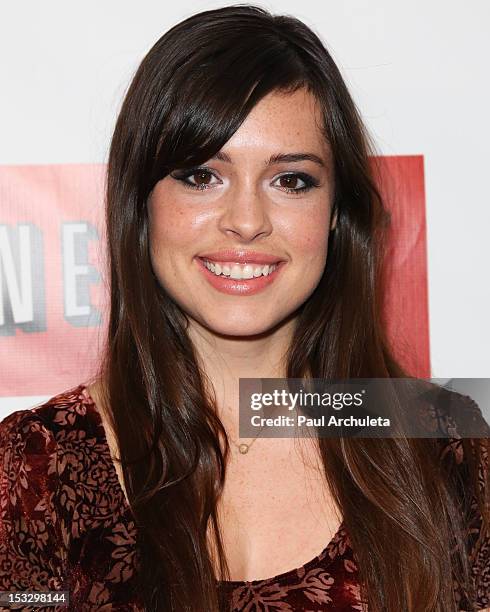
281,122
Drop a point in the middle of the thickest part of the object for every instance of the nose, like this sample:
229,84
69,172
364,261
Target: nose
246,214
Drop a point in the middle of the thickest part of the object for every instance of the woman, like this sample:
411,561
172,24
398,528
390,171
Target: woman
244,240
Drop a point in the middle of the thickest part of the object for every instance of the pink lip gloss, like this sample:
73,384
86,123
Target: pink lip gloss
243,286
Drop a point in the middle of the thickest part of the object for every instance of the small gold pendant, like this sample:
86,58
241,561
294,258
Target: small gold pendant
243,448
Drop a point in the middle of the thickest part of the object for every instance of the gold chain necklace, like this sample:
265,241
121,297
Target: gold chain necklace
243,447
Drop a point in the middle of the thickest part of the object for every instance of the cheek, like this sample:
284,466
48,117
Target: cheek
173,228
167,227
308,237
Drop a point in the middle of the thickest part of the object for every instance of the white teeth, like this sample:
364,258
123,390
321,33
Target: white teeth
238,271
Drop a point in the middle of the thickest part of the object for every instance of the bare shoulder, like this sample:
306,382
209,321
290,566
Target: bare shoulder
95,391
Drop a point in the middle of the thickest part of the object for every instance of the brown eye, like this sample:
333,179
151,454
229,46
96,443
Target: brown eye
201,178
289,181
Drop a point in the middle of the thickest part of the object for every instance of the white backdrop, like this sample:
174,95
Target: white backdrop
417,70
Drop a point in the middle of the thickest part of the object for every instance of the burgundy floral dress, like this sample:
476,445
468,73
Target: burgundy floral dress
65,525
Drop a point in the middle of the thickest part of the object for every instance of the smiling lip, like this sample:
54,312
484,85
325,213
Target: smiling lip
241,256
244,286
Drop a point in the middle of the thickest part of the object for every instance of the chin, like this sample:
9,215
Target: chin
240,326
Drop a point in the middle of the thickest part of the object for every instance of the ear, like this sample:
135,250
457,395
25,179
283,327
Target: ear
333,222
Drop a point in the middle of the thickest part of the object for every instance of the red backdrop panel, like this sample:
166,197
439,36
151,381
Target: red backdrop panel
406,305
52,269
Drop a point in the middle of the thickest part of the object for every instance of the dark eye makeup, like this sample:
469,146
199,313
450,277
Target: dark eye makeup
183,176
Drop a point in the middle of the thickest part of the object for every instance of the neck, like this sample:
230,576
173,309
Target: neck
226,359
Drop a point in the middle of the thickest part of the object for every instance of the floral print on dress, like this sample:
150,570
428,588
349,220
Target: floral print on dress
65,524
321,584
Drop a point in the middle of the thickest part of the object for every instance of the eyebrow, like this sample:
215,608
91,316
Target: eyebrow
279,158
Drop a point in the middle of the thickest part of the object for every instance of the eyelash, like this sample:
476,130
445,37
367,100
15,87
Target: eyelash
309,181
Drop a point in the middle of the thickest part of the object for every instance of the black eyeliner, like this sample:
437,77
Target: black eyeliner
182,175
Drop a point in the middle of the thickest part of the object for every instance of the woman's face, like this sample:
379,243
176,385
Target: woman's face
245,200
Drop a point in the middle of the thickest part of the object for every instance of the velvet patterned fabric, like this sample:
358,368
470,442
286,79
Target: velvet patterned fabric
65,524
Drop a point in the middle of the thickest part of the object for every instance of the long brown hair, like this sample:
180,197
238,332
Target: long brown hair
189,95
